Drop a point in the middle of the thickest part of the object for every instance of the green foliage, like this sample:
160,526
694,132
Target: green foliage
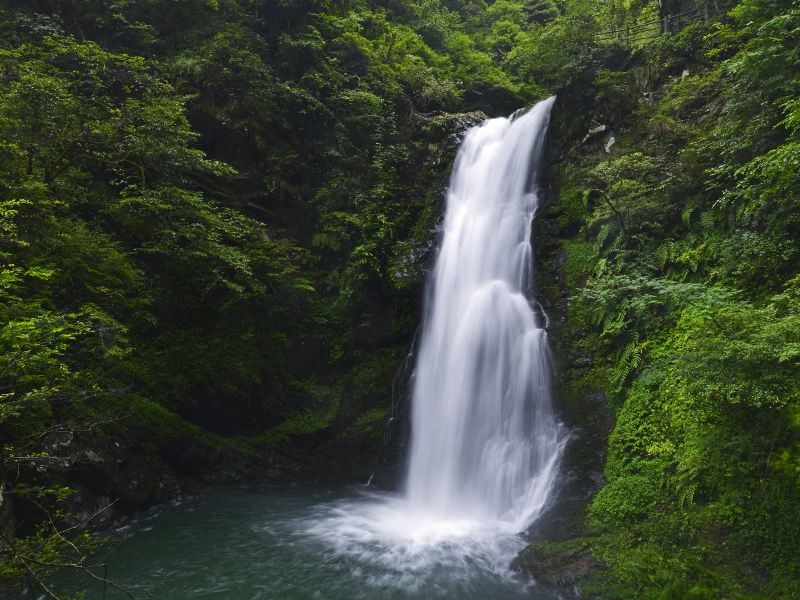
215,219
111,261
625,500
692,302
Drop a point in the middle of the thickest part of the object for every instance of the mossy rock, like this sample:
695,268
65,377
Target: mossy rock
568,566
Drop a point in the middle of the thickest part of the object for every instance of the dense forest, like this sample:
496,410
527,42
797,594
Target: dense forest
216,218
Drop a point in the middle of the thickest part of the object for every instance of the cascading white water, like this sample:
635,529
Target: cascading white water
485,442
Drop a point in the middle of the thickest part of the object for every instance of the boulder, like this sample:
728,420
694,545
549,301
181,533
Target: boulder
567,566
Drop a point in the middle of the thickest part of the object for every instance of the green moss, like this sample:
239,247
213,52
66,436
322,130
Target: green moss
142,413
580,261
368,427
570,205
624,500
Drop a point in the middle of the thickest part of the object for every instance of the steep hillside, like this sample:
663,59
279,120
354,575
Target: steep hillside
216,218
673,246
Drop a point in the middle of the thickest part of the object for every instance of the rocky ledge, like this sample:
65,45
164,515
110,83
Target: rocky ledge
567,566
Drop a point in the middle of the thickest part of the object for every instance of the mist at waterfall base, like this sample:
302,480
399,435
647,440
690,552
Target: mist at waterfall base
485,444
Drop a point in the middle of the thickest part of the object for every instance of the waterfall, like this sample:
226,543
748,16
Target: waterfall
485,442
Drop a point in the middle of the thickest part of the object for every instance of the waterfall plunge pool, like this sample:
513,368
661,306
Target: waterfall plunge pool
309,543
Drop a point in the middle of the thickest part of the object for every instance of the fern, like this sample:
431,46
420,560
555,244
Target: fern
665,252
707,221
604,232
629,360
687,212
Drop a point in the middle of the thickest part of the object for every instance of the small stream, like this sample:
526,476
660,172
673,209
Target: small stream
307,543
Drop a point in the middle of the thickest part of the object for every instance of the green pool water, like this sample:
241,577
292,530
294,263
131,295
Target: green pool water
309,543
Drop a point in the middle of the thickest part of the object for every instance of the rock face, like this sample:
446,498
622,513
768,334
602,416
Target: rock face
566,567
558,556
